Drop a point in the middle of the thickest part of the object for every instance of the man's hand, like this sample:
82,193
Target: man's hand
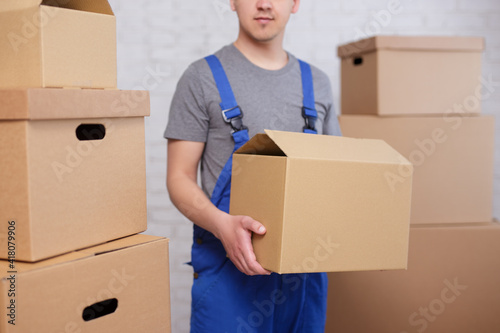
235,233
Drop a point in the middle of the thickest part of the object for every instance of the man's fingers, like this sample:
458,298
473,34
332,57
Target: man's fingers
259,270
239,247
249,256
251,261
254,226
239,261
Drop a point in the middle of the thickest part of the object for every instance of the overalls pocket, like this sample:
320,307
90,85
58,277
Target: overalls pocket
207,276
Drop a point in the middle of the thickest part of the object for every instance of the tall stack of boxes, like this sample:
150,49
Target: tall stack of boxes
422,95
72,174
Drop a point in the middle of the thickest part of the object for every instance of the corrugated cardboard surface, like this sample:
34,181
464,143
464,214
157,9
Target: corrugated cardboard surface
268,194
14,184
411,78
79,49
21,57
333,148
422,43
365,97
53,103
10,5
79,193
51,46
327,204
51,295
65,193
451,285
95,6
452,157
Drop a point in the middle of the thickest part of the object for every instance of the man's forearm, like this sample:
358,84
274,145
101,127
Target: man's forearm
192,202
234,232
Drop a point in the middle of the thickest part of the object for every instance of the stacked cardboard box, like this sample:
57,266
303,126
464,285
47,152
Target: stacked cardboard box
72,169
422,95
119,286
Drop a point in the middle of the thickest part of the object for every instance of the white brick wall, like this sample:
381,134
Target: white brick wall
167,35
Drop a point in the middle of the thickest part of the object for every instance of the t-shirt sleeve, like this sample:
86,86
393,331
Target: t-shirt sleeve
188,117
331,125
324,97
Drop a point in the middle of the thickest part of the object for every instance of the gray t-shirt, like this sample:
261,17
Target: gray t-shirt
269,99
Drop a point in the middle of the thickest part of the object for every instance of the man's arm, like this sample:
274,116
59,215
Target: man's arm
233,231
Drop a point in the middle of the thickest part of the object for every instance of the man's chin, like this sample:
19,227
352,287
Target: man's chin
264,38
260,36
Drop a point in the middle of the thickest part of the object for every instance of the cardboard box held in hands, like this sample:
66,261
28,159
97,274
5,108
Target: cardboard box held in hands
329,203
57,43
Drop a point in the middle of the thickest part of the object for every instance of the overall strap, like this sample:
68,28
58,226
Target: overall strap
308,110
231,111
232,114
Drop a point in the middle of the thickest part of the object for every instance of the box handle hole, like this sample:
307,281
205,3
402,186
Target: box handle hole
86,132
358,61
100,309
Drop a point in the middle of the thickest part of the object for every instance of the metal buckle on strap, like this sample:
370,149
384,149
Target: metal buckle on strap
235,122
224,116
309,119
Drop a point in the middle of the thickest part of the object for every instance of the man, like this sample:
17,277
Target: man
219,103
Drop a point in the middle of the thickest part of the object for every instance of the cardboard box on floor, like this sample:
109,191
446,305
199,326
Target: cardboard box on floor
117,287
326,201
391,75
452,157
72,168
451,285
54,43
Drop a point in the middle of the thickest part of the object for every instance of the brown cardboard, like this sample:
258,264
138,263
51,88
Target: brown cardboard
325,201
50,295
64,193
414,43
57,43
53,103
452,157
451,285
411,75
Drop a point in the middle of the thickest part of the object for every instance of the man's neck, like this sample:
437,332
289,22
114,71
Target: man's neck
267,55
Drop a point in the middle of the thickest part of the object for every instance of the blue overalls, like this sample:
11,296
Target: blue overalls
224,300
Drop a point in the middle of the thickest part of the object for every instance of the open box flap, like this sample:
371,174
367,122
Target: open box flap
422,43
93,6
260,144
335,148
